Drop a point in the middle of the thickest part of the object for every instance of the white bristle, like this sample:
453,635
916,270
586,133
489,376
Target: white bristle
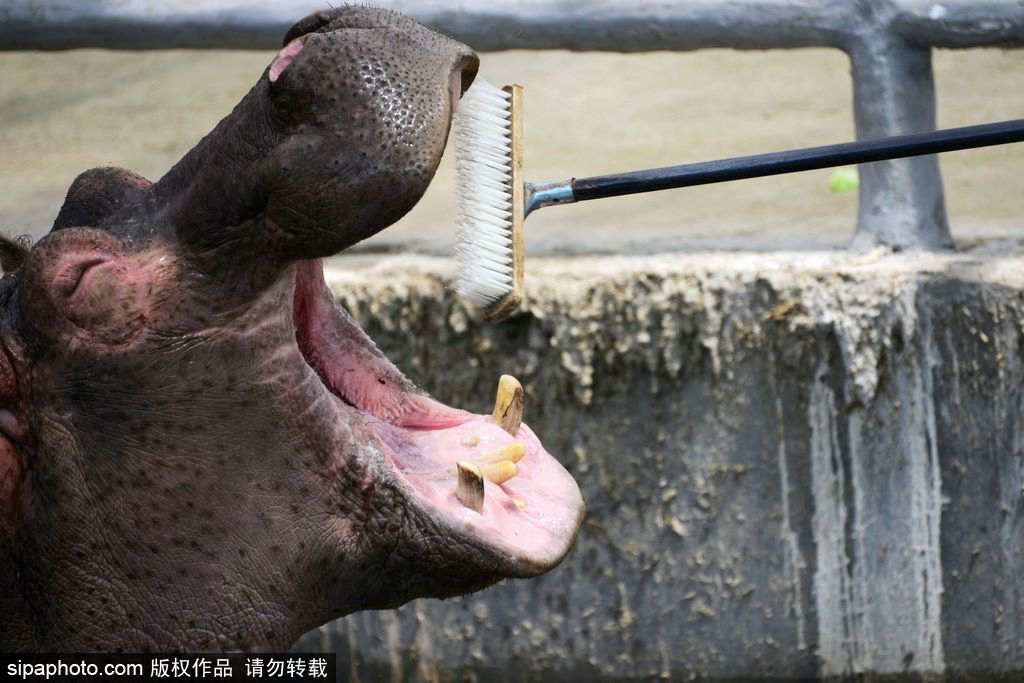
483,160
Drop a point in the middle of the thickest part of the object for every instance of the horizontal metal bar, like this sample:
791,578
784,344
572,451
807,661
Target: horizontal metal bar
608,25
513,24
960,23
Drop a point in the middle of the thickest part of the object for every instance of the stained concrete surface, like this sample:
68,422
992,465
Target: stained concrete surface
586,114
795,464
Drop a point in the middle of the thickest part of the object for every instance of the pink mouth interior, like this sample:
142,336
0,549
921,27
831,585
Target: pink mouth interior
423,438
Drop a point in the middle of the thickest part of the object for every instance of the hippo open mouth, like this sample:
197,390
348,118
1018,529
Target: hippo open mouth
199,449
530,518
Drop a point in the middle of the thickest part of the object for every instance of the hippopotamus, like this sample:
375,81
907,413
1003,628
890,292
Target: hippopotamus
199,449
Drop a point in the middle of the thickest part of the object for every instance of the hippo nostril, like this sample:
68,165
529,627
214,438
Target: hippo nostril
467,67
462,77
310,24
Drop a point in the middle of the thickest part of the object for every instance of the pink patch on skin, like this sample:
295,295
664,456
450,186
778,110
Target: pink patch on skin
12,425
285,57
10,475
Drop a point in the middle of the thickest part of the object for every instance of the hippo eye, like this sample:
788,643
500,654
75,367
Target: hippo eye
13,254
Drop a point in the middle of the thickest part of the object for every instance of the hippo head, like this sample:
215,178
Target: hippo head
198,448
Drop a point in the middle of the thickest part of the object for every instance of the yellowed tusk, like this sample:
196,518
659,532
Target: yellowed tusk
519,503
508,404
470,488
499,472
511,451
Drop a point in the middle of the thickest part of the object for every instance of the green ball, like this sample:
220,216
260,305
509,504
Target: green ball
843,180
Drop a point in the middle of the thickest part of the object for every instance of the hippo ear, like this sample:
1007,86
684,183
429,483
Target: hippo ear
13,253
99,193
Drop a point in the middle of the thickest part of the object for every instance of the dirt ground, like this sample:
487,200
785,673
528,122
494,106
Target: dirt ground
587,113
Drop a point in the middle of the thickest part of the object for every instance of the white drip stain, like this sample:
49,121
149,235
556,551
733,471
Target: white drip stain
393,639
794,560
898,576
424,644
926,511
1011,478
878,586
838,644
353,645
794,563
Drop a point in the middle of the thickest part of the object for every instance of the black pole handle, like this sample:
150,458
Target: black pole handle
792,161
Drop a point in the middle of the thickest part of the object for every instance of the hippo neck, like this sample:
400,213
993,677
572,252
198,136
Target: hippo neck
69,608
217,183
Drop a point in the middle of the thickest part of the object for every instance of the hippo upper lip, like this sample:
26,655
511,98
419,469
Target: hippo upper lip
349,364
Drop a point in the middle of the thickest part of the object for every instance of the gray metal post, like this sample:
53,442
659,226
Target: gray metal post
901,201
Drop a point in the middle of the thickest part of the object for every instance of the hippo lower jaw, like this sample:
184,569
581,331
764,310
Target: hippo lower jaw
528,523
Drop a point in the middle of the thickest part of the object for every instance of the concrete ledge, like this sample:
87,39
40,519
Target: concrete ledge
795,464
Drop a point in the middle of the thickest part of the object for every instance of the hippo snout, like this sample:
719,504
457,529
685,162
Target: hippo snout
339,139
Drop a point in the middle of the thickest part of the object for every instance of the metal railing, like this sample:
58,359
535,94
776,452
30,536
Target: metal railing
889,43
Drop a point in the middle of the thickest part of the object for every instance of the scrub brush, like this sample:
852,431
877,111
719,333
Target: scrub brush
494,200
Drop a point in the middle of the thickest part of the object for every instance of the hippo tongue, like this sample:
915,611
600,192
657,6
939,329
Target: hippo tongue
520,500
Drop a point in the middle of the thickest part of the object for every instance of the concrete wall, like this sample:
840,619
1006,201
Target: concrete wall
794,464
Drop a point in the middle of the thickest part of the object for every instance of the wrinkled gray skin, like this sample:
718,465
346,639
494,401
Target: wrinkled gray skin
173,473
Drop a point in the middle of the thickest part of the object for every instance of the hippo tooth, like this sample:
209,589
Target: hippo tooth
470,489
511,451
519,503
508,405
499,472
